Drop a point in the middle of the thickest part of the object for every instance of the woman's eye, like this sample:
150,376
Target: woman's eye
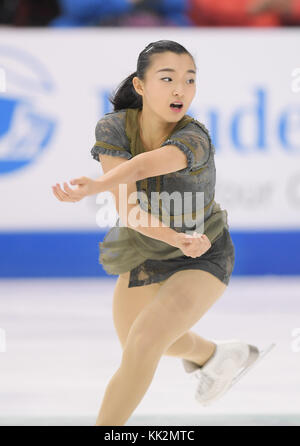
193,80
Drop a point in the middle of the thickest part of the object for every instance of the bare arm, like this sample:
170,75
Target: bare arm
156,162
151,226
116,170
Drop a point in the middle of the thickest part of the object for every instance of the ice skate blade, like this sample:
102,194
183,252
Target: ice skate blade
255,356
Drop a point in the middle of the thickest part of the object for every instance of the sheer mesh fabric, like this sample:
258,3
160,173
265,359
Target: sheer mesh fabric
110,136
195,142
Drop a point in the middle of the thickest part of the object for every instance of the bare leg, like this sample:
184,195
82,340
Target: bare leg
129,372
165,319
193,347
127,387
129,302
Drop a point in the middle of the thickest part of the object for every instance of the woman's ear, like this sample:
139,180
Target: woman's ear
137,85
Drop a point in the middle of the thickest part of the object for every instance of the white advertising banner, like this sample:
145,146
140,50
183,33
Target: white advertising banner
54,87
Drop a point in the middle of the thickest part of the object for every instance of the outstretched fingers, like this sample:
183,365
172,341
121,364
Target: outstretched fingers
64,195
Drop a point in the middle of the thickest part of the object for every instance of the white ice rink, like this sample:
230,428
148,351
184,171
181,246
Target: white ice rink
62,349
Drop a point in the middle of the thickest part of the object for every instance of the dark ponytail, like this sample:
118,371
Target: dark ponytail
125,95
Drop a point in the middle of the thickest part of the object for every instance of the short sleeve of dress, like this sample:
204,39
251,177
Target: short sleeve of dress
195,142
111,137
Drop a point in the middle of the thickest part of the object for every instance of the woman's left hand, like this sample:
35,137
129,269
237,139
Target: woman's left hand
200,244
193,245
85,186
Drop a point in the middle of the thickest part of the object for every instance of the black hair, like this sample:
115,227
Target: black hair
125,95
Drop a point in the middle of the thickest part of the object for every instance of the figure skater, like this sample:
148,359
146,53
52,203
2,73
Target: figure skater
169,275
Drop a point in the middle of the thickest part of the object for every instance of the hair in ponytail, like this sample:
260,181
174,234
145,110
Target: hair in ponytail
125,95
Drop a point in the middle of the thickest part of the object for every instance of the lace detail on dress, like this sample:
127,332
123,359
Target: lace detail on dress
110,136
219,260
195,142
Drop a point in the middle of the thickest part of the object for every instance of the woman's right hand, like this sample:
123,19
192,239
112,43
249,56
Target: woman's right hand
192,245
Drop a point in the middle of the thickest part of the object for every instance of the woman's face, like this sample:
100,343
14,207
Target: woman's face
170,77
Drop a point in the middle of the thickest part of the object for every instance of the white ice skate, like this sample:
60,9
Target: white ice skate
231,360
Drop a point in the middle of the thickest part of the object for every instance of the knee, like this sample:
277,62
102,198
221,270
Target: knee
144,346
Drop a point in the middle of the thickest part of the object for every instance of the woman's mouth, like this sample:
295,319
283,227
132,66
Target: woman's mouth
176,106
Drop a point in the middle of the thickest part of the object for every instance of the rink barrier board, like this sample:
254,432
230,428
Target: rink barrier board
76,254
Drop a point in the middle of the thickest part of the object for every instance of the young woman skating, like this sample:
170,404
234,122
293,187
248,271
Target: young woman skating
177,263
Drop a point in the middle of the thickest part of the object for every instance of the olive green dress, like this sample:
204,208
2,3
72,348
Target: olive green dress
194,209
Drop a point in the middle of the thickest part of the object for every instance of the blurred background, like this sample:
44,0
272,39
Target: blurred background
59,62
